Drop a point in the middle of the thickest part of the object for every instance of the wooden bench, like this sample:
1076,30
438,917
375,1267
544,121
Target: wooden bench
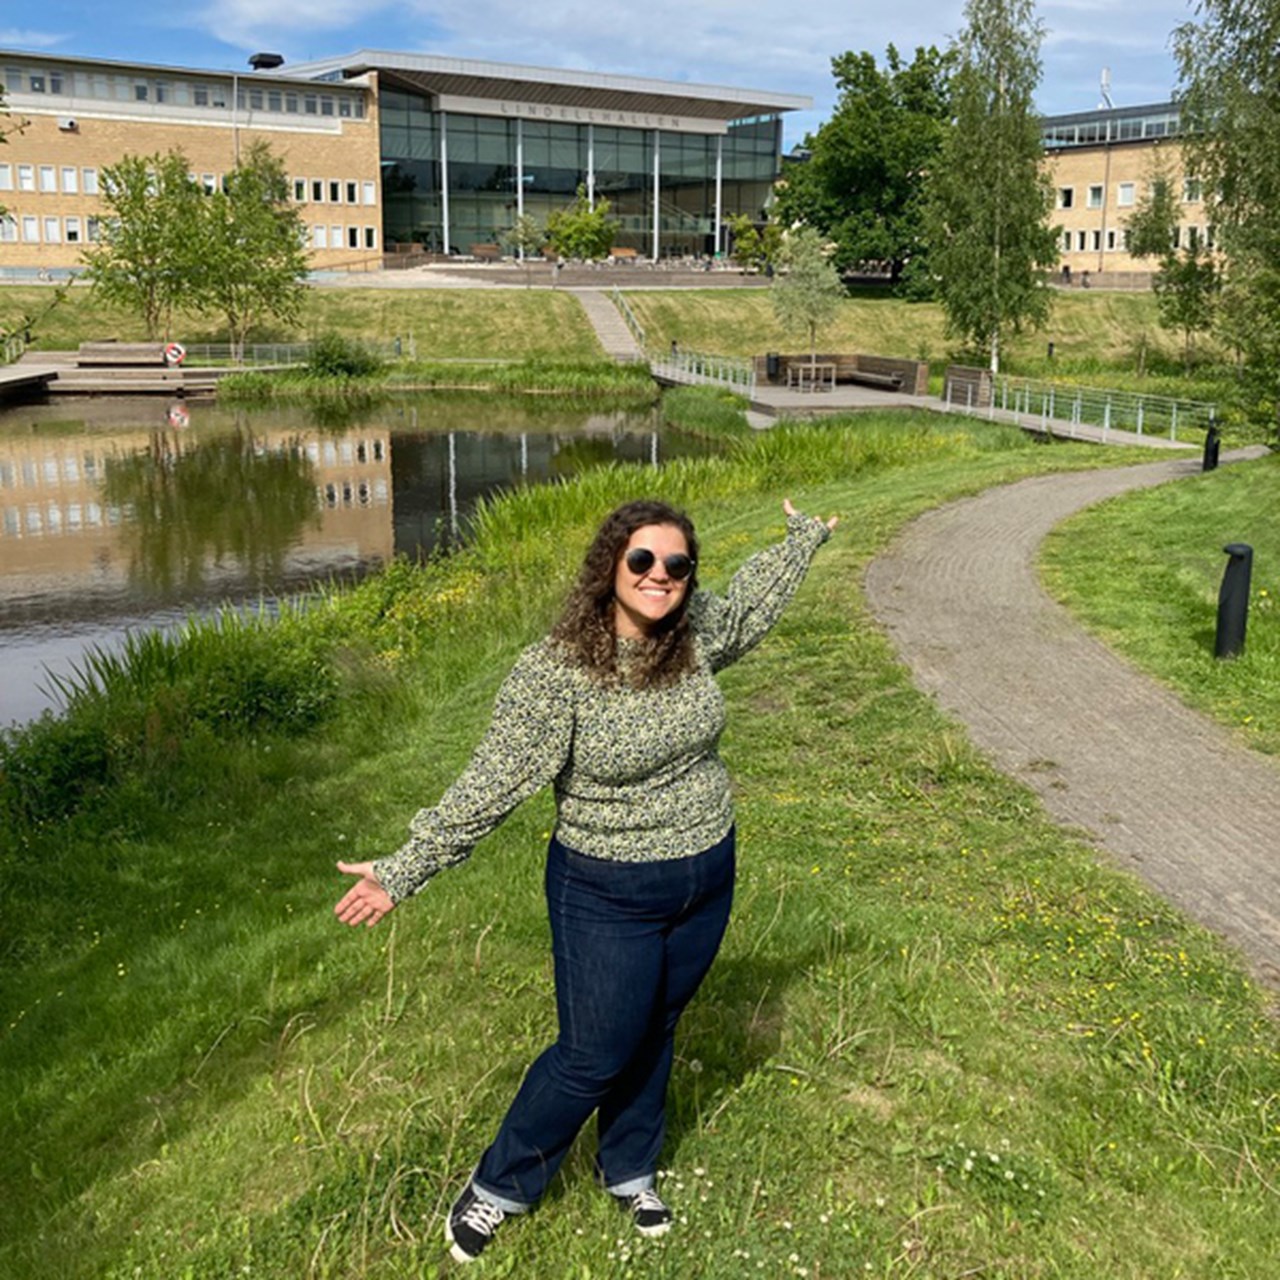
115,354
888,381
623,255
487,252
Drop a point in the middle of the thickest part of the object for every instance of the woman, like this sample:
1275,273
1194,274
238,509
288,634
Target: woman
619,709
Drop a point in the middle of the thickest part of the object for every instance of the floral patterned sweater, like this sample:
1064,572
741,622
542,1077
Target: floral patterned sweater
636,773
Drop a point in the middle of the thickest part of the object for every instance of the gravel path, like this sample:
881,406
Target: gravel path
1109,750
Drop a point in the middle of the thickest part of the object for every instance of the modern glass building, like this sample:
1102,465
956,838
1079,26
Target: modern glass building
467,147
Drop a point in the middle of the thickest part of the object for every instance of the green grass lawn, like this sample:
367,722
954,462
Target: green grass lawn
942,1040
500,324
1144,571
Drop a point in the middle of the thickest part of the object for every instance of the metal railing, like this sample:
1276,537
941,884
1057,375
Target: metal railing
629,316
699,369
258,354
1028,401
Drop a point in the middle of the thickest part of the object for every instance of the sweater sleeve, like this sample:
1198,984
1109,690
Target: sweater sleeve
526,745
728,626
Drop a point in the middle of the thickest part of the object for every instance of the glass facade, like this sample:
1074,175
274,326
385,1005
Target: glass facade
451,180
1114,124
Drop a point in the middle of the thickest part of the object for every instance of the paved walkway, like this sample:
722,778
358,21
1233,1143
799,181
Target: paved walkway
1170,794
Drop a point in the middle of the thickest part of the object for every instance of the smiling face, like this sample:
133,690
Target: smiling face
642,600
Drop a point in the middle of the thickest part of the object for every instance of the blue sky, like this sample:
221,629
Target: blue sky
760,44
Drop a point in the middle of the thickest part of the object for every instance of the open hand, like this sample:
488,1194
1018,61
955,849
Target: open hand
366,902
788,509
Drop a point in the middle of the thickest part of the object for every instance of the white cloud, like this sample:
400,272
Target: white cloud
17,38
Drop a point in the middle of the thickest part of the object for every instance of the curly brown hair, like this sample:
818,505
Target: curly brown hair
586,628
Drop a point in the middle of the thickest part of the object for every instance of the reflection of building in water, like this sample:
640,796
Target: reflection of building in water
62,540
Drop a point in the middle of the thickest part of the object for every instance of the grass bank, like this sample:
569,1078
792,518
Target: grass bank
941,1039
1144,570
498,324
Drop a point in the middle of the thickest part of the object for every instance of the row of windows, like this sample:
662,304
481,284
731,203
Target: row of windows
30,228
1118,238
67,179
215,95
1126,194
333,191
1113,128
71,180
32,521
344,237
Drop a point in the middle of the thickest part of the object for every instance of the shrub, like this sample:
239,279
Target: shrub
334,356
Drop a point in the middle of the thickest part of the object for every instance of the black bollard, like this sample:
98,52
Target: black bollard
1233,601
1212,442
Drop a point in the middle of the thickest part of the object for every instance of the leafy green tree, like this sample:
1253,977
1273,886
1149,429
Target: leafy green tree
251,263
526,238
863,185
989,196
583,231
1230,102
150,237
755,247
806,295
1186,282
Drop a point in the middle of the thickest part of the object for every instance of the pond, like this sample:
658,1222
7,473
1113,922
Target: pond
118,514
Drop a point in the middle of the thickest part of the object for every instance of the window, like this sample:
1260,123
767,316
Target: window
1193,238
291,103
89,181
55,81
1111,239
26,177
140,92
6,177
310,104
335,237
36,82
370,238
335,192
200,95
1177,237
1066,242
1208,236
255,99
353,193
92,230
326,105
161,90
317,191
300,190
1080,241
273,100
72,227
52,231
353,237
1095,197
344,108
370,193
318,238
8,228
1191,191
70,180
1096,241
1066,197
209,183
48,178
1124,195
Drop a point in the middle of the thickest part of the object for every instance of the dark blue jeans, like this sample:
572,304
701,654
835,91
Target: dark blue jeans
632,942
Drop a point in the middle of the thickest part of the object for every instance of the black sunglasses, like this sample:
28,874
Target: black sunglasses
641,560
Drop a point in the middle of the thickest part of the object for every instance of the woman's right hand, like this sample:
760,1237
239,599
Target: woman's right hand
366,902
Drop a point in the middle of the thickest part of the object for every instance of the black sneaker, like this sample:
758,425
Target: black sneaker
650,1215
471,1224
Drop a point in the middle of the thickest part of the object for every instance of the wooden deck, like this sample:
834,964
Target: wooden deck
23,379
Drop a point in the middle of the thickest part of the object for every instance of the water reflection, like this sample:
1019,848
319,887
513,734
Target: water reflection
118,515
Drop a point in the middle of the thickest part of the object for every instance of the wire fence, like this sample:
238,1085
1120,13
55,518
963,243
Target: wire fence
1027,400
261,354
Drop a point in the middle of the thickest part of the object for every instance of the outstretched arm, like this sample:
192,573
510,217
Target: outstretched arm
729,625
366,902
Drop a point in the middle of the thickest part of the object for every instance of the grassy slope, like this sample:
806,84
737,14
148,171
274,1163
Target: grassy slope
1144,571
445,324
926,988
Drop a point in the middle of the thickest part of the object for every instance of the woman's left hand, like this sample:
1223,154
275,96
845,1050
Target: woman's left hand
791,511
